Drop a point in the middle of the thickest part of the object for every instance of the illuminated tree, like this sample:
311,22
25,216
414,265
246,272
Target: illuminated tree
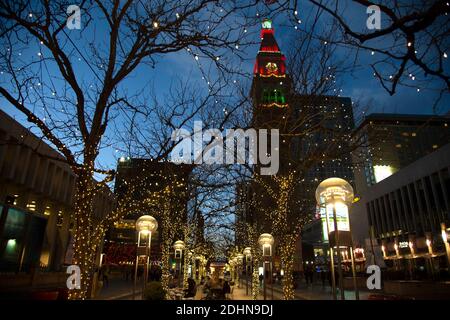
313,133
410,45
71,88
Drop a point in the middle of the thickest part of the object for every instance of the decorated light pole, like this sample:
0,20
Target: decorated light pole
178,246
266,242
240,261
248,257
335,195
145,226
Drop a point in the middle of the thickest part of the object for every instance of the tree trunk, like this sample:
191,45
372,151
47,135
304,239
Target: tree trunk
84,248
255,279
165,268
287,259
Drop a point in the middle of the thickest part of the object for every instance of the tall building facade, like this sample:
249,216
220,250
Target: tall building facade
403,192
277,106
152,177
392,141
37,190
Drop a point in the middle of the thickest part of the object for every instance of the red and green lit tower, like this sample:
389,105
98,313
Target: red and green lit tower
271,85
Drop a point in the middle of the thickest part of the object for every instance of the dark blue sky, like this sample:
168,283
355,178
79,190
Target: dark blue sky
359,85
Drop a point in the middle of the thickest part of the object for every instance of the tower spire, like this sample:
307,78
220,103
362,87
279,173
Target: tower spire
270,84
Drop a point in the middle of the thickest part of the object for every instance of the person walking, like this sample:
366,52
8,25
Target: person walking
323,276
105,276
226,290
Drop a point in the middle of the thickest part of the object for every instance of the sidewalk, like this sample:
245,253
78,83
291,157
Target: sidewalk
119,289
315,292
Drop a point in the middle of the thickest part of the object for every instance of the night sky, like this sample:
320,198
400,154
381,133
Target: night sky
360,85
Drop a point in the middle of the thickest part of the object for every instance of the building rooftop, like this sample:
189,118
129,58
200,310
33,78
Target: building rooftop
412,119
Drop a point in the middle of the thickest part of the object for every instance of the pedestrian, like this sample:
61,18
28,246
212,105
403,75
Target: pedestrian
192,289
323,276
226,290
140,272
105,277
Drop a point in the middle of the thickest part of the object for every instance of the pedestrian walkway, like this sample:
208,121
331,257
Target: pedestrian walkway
302,293
119,289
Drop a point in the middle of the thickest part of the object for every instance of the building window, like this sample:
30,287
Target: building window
59,221
32,205
273,96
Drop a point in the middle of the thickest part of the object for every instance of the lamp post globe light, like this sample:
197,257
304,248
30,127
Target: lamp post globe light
145,226
266,241
248,257
335,196
179,246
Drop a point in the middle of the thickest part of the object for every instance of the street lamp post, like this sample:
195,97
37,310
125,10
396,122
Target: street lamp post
446,244
240,260
266,242
334,194
247,253
179,246
190,272
145,225
234,262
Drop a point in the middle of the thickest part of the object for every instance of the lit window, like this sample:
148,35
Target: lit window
31,206
381,172
398,145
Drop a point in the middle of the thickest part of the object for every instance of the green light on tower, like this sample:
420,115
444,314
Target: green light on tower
267,24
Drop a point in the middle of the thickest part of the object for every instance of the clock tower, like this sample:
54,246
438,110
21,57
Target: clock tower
271,84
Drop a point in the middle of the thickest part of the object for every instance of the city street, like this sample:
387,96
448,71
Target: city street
174,149
120,289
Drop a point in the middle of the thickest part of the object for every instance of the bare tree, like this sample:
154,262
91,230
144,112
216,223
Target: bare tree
411,46
73,101
314,132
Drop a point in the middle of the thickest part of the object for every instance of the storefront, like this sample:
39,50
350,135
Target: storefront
21,238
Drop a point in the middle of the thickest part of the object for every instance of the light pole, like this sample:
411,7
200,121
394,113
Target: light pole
240,261
248,256
145,225
447,245
190,268
234,263
179,246
336,195
266,242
